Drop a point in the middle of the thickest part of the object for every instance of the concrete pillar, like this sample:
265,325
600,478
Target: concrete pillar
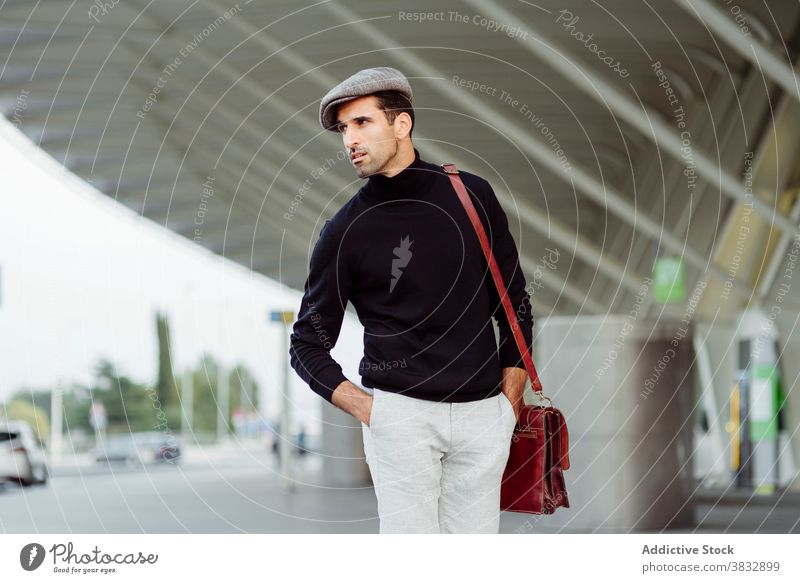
343,464
626,389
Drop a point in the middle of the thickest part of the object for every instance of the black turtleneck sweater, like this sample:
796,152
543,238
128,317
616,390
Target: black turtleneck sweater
403,251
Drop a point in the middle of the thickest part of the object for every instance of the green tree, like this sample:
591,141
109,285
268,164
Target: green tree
166,385
75,403
129,405
204,384
36,397
21,409
243,393
244,390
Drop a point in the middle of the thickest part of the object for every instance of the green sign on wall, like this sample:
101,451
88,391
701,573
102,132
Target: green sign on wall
668,280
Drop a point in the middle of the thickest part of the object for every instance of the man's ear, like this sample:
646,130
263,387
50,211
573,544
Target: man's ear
402,125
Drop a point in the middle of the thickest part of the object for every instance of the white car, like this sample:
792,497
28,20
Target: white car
21,458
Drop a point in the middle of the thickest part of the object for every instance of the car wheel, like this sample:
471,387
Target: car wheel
41,479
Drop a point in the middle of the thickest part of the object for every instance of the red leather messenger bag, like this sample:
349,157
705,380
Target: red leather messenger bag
533,481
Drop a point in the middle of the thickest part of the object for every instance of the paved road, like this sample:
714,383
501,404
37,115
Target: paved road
242,492
241,495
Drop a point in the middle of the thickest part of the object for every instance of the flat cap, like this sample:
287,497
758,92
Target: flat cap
365,82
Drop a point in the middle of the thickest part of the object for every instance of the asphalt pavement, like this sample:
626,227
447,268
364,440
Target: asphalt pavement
239,489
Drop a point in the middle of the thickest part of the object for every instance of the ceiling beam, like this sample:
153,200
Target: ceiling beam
715,18
325,80
638,116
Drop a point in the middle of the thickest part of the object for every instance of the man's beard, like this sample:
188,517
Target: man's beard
374,165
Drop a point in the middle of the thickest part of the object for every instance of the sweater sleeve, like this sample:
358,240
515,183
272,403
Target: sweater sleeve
319,321
505,252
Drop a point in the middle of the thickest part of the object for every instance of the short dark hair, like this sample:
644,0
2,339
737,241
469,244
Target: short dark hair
393,103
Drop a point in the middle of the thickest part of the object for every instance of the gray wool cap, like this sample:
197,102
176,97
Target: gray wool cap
365,82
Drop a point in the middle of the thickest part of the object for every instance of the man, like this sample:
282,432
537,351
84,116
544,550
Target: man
440,400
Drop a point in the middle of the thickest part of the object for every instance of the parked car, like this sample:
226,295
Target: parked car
21,458
138,448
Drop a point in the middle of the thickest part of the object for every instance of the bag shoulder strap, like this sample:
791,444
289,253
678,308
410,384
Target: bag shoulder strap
461,191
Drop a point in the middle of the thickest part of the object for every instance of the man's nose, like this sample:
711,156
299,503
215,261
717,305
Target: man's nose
351,138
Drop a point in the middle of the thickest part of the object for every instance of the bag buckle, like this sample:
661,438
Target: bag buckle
450,168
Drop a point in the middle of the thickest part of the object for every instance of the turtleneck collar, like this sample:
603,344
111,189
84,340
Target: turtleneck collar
407,183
